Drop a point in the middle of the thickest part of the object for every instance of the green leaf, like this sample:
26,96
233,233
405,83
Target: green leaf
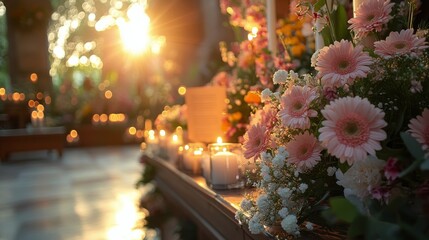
377,229
319,4
326,34
339,19
414,147
343,209
358,227
425,164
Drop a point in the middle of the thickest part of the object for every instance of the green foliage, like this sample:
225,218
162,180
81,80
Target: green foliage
343,209
319,4
147,175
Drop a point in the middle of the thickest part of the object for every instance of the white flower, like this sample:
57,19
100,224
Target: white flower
280,76
266,156
272,187
277,174
303,187
296,173
283,212
282,152
266,95
309,226
278,161
263,204
267,178
284,192
331,171
362,176
265,170
314,58
289,224
277,95
293,75
246,204
255,226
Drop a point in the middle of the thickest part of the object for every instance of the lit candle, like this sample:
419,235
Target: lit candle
205,167
224,168
162,139
40,118
34,119
151,142
193,156
95,119
271,26
173,149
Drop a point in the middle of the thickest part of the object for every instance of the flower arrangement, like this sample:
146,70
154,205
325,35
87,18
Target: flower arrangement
172,117
250,63
349,144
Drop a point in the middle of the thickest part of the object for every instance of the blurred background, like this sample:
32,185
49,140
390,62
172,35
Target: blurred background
108,64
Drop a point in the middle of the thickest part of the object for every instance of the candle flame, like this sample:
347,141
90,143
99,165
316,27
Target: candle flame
219,140
162,133
175,138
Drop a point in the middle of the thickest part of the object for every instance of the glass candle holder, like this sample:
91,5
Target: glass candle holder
173,149
193,155
226,170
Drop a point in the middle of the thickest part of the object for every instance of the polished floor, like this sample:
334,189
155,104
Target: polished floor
87,194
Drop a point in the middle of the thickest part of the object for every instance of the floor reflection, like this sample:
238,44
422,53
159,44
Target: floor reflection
127,215
87,194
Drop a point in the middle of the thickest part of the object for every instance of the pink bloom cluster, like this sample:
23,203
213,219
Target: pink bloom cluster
371,16
341,64
404,42
295,107
353,128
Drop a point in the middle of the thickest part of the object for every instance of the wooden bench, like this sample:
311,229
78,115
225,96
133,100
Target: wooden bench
31,139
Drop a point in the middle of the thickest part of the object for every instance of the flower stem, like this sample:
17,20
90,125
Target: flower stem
331,25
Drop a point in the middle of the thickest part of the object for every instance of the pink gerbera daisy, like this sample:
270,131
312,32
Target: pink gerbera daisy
419,128
342,63
371,16
304,151
404,42
255,141
295,104
352,129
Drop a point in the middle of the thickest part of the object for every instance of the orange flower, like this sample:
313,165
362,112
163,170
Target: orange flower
235,117
252,97
225,124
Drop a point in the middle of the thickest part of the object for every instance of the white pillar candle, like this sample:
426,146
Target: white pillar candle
162,139
271,26
152,143
173,149
192,160
205,167
319,43
224,168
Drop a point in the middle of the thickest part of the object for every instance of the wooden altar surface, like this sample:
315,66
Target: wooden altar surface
212,211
